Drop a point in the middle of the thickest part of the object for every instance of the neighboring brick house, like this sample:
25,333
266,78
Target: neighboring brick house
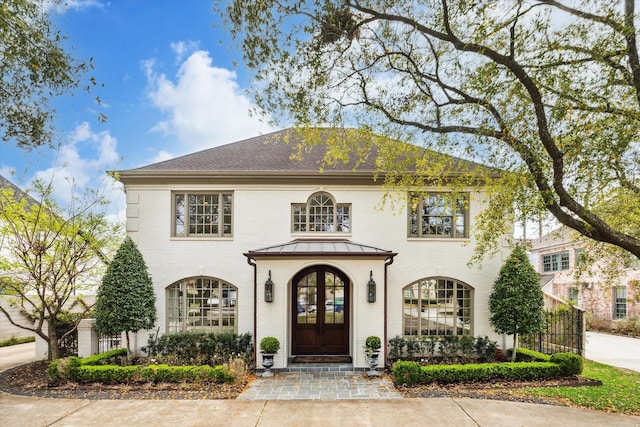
556,256
244,238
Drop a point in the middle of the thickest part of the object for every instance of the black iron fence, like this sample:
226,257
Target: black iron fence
564,332
109,342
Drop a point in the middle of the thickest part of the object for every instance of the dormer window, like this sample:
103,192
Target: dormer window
321,214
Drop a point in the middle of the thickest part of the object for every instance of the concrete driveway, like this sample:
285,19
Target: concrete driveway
623,352
15,355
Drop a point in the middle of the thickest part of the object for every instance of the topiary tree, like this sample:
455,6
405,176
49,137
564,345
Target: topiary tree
126,301
516,302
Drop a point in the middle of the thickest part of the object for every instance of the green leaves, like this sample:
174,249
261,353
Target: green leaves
126,299
516,302
498,83
34,69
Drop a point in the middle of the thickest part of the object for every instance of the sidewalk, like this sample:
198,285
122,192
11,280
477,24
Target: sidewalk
337,403
27,412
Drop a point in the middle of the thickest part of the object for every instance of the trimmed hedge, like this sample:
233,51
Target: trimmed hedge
106,358
96,368
159,373
570,363
558,365
526,355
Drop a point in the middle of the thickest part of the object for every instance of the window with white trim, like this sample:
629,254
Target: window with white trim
437,307
619,302
202,304
438,215
203,214
573,293
555,262
322,214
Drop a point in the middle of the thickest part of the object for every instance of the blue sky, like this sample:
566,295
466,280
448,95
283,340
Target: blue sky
170,88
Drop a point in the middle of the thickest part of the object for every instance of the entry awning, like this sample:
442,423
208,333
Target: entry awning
321,248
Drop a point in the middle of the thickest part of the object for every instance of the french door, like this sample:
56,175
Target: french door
320,311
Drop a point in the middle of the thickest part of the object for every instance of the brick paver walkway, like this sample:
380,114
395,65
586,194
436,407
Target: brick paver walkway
320,386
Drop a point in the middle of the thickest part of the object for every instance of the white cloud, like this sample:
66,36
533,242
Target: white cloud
62,7
162,156
205,106
181,49
81,163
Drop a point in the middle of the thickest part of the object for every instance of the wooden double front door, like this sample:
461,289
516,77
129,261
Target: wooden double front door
320,312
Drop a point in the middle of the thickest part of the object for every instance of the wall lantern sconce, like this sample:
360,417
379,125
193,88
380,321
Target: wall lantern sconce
371,288
268,289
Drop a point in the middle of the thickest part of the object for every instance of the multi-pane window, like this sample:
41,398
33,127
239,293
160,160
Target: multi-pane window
573,294
202,304
619,302
555,262
437,307
321,214
438,215
203,214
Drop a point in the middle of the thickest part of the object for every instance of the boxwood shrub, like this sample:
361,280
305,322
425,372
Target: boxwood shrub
159,373
411,373
570,363
97,369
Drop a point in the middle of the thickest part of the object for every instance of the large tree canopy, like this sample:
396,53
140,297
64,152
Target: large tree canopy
546,90
34,68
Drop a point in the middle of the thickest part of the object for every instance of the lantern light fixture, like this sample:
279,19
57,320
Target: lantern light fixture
268,289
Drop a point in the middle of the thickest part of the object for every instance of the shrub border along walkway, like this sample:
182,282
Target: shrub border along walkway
533,365
96,369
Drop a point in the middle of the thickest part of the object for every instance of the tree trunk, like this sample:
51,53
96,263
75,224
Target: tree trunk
128,345
54,349
515,347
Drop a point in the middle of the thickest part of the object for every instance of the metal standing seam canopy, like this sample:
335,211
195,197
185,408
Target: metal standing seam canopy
320,247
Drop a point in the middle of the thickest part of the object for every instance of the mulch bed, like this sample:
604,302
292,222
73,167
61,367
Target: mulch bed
33,380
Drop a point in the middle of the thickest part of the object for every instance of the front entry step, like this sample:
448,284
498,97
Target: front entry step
319,363
321,358
345,368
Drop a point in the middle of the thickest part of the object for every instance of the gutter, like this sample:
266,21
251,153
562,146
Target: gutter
252,263
387,263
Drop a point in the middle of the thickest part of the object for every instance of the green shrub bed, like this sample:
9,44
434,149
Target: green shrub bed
99,368
539,366
200,348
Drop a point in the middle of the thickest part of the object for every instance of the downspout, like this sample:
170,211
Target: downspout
252,263
387,263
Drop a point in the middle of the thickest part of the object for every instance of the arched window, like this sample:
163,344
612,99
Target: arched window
437,306
322,214
203,304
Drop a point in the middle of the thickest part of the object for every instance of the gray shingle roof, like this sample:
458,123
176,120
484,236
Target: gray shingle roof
266,153
276,153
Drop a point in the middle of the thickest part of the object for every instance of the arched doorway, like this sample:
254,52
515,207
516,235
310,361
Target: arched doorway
320,297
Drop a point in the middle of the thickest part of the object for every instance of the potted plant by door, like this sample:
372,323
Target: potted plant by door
269,346
372,351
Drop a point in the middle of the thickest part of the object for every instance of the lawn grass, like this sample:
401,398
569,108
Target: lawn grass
14,341
619,393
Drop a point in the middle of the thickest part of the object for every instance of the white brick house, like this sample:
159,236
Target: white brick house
216,226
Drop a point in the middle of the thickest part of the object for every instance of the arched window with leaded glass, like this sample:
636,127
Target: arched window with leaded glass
203,304
321,214
437,306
